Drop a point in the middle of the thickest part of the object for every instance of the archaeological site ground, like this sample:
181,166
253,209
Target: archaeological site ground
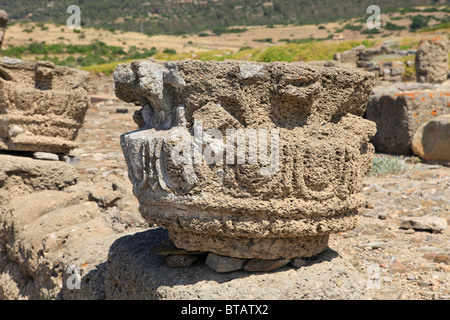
262,162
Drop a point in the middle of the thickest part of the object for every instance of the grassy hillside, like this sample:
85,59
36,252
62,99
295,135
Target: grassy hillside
193,16
100,50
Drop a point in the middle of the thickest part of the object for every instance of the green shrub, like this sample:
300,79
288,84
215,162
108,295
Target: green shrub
220,30
370,31
393,27
353,27
38,48
387,165
419,22
169,51
268,40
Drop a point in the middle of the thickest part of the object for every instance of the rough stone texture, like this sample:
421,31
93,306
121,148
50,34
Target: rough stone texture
258,265
3,19
3,23
133,274
432,140
42,106
433,224
181,260
399,110
21,175
48,224
224,264
299,262
422,190
432,60
240,210
46,156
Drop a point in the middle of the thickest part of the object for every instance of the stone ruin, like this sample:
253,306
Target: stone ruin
242,209
52,221
432,60
3,23
400,109
42,106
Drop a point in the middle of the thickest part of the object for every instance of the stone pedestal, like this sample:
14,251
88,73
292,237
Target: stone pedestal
248,160
134,274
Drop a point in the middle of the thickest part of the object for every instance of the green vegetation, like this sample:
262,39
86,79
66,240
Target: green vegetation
350,26
268,40
169,51
393,27
220,30
443,24
179,17
387,165
370,31
316,50
95,53
419,22
407,43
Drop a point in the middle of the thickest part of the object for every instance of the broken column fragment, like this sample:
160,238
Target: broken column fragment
42,106
432,60
248,160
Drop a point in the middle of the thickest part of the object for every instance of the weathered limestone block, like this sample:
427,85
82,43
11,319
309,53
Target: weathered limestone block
22,175
134,274
432,140
278,193
432,60
47,237
349,57
42,106
399,110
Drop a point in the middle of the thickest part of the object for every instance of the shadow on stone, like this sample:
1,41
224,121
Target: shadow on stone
135,273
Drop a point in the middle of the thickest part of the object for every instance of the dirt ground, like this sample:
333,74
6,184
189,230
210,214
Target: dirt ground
16,35
398,263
